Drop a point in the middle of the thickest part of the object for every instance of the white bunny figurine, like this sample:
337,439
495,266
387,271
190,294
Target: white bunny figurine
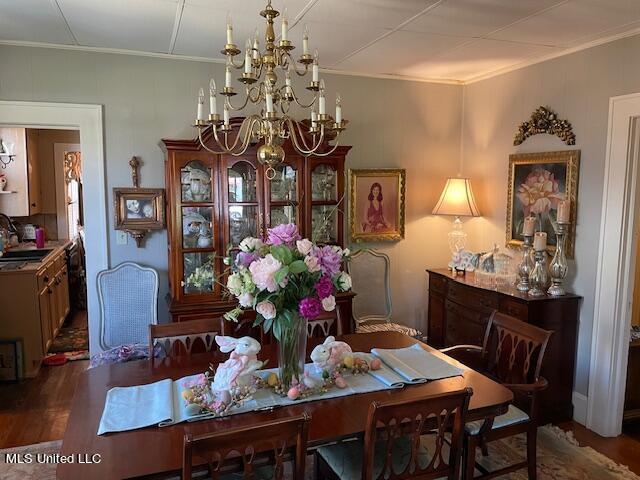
330,353
241,364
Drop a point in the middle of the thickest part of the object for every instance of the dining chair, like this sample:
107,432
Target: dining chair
328,323
512,353
402,439
370,275
128,297
180,337
259,451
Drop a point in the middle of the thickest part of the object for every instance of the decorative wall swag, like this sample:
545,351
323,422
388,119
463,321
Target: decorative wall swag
138,210
545,120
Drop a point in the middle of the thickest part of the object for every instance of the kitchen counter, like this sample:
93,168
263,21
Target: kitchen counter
56,248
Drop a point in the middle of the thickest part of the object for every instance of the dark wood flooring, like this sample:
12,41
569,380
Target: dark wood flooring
36,410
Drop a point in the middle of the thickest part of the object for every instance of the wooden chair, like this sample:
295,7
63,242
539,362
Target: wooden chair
326,324
396,442
258,450
180,337
512,353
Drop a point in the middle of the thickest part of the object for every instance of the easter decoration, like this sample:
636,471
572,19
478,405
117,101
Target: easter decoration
233,382
330,354
288,280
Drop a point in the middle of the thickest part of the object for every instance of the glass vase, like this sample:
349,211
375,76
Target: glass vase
292,352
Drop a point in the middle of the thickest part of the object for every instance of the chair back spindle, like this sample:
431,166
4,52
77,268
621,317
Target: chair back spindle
182,337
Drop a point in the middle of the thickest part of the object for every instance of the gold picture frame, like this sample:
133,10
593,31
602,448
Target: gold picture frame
536,182
138,211
377,204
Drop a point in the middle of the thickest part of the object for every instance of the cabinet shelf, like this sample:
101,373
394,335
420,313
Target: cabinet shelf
7,192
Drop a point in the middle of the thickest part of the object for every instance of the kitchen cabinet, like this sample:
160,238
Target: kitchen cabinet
35,304
22,197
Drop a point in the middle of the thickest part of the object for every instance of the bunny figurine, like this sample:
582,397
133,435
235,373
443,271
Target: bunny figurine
331,353
236,371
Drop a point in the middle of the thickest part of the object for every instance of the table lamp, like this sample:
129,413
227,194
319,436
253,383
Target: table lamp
457,200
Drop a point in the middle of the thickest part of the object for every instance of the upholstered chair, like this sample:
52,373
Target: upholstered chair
512,353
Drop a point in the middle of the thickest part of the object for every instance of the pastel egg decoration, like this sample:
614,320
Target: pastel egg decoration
272,379
187,394
341,382
348,361
293,393
375,364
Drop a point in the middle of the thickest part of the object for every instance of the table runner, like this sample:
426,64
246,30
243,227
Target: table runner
160,403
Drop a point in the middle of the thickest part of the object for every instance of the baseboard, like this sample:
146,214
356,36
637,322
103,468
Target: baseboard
579,407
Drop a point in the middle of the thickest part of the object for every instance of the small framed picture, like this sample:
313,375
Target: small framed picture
10,360
377,204
139,208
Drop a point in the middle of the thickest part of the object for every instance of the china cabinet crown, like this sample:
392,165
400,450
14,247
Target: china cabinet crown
214,201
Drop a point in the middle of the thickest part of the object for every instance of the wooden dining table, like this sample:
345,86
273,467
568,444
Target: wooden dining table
155,451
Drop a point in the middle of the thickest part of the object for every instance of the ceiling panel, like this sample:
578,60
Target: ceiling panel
573,21
33,21
202,30
374,13
399,52
477,57
333,41
145,25
475,18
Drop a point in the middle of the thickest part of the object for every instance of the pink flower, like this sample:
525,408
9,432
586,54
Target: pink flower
283,234
324,287
266,309
539,193
329,259
263,273
310,308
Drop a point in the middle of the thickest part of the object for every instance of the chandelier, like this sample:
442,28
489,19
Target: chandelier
262,88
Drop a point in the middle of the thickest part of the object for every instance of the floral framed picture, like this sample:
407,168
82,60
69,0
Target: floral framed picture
377,209
537,183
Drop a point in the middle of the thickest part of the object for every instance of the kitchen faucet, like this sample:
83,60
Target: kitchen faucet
8,225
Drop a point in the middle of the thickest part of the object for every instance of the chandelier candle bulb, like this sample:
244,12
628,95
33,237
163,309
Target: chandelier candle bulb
200,115
338,109
564,209
226,115
285,27
305,41
229,31
540,241
315,69
247,58
227,77
529,226
269,101
314,119
256,47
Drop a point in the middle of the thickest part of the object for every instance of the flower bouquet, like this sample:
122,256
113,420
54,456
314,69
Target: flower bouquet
288,281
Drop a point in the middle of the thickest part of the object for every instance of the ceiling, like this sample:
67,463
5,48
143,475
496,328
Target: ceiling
433,40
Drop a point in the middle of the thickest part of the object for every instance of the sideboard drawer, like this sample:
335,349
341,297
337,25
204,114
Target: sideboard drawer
437,284
514,308
471,298
464,326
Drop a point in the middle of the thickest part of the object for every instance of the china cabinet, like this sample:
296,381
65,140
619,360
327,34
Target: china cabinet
214,201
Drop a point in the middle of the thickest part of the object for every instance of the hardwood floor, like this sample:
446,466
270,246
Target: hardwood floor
36,410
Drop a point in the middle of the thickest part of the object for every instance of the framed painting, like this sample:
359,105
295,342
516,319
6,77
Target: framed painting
139,208
377,209
537,183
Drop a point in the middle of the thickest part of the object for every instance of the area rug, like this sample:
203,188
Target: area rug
73,342
559,458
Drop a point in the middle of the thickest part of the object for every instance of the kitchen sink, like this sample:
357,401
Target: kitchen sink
25,255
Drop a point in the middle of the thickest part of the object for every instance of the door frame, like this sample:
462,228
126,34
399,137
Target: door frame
89,120
61,194
615,272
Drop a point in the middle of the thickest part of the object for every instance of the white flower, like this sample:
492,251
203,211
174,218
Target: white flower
344,281
235,284
250,244
266,309
329,303
346,252
337,249
246,300
312,264
263,273
226,260
304,246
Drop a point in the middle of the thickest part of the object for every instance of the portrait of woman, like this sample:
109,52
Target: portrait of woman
377,204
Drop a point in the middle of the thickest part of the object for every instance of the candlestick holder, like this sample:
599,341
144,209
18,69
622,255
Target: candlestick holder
558,267
538,277
526,266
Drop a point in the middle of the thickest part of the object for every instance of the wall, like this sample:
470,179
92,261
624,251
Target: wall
578,87
393,124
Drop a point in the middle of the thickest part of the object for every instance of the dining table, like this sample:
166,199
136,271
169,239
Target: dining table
157,451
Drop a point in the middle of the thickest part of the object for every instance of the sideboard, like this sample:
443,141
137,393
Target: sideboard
459,310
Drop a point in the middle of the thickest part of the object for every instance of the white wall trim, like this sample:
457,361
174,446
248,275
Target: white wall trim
580,402
614,277
88,119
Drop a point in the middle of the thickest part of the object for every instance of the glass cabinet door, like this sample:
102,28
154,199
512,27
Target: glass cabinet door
324,224
324,211
283,193
243,222
197,227
243,209
195,179
283,187
199,272
242,183
324,183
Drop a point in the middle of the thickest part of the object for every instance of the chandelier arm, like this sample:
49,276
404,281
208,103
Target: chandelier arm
232,63
295,98
225,145
246,101
333,149
247,137
294,138
294,64
207,148
258,90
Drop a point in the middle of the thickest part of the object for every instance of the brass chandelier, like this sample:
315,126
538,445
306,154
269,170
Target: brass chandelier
273,124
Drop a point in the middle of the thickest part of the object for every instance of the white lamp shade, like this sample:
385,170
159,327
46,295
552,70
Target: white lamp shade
457,199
